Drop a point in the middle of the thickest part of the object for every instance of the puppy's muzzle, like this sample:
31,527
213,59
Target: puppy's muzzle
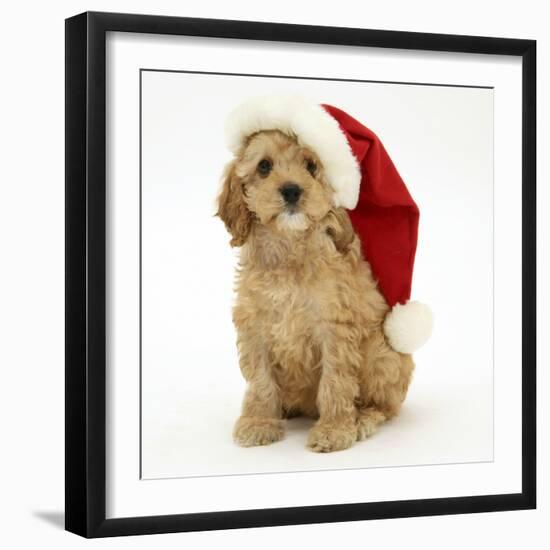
291,192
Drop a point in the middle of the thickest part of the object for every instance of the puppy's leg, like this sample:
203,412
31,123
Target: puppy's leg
338,390
368,420
261,420
384,380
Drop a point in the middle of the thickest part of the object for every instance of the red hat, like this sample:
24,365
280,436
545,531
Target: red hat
366,182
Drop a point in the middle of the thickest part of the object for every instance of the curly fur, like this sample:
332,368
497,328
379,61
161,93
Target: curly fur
309,315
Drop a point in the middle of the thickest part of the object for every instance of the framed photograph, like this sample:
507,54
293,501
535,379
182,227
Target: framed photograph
300,274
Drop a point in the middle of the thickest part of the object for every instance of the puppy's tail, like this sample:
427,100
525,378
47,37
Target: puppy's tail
408,327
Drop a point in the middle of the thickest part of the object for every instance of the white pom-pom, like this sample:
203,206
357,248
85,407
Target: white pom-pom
408,326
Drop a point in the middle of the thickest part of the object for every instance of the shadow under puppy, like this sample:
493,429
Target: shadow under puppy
316,334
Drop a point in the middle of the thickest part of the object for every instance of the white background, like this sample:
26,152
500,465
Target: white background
31,299
441,139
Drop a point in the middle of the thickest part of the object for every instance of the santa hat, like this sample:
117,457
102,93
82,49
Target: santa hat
366,183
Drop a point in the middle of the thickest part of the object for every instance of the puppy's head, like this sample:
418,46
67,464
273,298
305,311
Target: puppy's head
276,182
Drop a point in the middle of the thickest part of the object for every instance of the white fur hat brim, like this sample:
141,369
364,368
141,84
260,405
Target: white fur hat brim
408,327
313,127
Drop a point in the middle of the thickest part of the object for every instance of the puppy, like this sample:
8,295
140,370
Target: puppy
308,313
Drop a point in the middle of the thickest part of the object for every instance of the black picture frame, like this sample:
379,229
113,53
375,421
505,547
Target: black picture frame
85,427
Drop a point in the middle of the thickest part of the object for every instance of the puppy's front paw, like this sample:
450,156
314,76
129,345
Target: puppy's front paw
250,431
325,438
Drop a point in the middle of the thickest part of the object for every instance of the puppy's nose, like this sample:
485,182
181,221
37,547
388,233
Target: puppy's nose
291,192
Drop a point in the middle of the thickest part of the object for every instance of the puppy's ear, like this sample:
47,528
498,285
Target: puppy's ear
232,208
340,229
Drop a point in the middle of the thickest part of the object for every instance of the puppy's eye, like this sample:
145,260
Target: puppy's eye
264,167
311,167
